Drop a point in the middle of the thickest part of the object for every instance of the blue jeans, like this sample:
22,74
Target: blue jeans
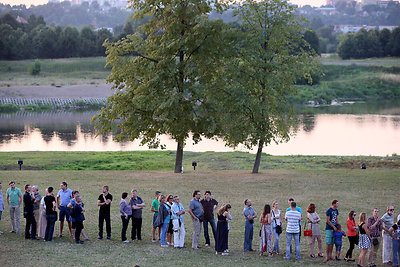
289,237
51,220
396,251
163,235
276,244
248,236
213,228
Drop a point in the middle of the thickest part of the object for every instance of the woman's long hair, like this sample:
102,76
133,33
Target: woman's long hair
362,218
351,215
266,210
224,208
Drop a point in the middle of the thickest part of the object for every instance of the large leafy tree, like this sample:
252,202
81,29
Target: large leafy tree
270,57
164,75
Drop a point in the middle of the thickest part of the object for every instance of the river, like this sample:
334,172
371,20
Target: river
350,129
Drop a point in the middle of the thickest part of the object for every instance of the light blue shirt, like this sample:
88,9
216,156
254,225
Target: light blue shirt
1,201
175,209
65,197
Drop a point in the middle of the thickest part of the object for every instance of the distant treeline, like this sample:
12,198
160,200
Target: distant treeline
373,43
36,40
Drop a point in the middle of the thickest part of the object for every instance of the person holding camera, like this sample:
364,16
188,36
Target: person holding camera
196,211
375,227
249,215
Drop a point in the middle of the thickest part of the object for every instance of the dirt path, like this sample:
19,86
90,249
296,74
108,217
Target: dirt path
67,91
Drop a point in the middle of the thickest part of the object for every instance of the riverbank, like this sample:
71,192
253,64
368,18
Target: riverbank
164,161
341,80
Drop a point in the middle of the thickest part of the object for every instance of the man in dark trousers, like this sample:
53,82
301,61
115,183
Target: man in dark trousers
104,201
30,228
209,205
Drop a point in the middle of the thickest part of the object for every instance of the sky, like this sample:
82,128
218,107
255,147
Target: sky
41,2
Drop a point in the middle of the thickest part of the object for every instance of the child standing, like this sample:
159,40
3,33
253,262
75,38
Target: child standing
337,235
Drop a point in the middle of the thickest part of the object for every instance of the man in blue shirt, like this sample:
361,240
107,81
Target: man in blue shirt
63,199
332,215
177,220
249,215
196,211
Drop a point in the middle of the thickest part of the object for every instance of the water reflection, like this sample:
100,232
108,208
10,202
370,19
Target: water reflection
319,134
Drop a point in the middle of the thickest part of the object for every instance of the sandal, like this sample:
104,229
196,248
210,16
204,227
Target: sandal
320,255
312,256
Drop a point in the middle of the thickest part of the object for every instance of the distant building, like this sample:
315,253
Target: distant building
21,20
111,3
356,28
368,2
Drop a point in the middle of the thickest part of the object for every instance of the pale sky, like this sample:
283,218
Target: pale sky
41,2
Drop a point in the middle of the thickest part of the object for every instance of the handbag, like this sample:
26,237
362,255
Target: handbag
308,232
278,228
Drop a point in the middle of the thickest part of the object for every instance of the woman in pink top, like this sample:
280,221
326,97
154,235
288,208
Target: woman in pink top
352,235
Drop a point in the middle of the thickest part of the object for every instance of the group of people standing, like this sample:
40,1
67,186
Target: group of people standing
368,233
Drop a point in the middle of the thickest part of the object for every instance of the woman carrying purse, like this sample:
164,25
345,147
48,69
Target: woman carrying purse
313,220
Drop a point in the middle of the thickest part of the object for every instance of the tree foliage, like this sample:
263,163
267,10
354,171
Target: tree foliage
164,75
270,59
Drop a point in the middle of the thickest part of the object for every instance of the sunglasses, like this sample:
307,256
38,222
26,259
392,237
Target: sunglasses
391,210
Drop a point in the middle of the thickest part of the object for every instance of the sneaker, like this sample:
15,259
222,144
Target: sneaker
207,245
1,233
126,241
224,254
154,240
100,238
164,246
108,237
171,244
226,250
12,231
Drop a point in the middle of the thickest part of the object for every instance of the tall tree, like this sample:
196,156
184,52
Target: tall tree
270,58
164,75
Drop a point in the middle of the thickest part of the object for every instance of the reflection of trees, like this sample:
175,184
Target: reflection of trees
6,134
47,134
308,122
396,122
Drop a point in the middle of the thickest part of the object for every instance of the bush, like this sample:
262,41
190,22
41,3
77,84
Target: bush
35,68
8,108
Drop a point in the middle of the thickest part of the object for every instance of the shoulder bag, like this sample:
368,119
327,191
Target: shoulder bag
278,228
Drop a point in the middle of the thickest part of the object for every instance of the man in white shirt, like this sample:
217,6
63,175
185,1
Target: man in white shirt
177,220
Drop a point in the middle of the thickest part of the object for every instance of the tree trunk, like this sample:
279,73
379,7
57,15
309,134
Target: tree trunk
179,157
258,157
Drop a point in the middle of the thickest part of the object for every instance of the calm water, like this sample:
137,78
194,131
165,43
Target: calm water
359,129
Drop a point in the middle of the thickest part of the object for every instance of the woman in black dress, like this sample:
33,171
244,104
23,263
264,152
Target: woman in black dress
221,243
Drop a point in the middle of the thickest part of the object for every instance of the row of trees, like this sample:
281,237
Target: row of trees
36,40
181,73
373,43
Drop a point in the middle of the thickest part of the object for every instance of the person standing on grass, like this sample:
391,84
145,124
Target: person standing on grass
352,229
154,208
394,233
293,218
51,214
313,224
64,197
297,209
14,200
196,211
162,220
276,224
374,225
1,203
266,231
177,220
170,232
137,205
332,215
104,202
126,213
249,215
364,242
209,205
79,218
30,227
36,205
388,221
221,241
72,220
337,235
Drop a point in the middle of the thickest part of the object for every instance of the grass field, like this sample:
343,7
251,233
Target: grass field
360,190
69,71
164,160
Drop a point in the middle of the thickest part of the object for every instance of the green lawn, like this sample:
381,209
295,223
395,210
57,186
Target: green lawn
356,189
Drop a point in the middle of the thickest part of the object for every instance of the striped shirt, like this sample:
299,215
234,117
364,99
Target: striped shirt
293,219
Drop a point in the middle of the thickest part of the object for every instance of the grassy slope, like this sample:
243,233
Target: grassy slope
356,189
164,160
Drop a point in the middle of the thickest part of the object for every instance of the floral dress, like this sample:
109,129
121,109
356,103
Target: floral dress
266,237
